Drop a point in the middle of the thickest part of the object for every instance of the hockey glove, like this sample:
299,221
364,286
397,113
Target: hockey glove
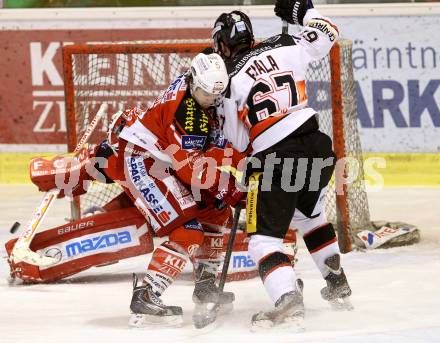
230,195
292,11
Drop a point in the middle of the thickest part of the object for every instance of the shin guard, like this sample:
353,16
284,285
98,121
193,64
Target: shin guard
165,266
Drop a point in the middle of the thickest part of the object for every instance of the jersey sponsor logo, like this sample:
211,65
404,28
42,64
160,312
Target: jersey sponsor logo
196,142
154,198
190,109
216,242
172,265
191,118
203,123
193,225
324,27
98,243
164,217
254,52
193,115
175,261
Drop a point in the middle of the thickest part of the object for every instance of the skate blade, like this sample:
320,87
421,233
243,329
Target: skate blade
138,320
341,304
205,314
225,308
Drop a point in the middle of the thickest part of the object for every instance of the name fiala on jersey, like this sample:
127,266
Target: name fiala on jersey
261,66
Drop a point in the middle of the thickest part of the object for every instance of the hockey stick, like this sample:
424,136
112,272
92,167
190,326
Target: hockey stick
205,316
285,27
229,247
22,251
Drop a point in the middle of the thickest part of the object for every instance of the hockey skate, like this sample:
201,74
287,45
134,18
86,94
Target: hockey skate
208,300
337,292
287,315
148,309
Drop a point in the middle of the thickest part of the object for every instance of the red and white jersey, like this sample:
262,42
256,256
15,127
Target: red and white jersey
175,129
267,98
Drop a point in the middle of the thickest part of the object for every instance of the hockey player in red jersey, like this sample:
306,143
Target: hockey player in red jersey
266,111
166,161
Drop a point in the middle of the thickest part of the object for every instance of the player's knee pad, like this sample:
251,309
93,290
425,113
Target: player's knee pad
187,238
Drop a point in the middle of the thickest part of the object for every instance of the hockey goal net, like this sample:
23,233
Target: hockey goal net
124,75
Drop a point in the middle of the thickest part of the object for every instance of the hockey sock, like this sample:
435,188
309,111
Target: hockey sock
210,253
277,274
322,243
165,266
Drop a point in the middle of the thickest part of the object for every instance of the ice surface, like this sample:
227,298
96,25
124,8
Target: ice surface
396,292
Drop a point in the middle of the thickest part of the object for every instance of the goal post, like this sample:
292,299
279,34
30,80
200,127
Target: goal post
134,74
344,118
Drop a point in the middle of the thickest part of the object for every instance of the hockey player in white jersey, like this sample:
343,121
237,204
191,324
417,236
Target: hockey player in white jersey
266,114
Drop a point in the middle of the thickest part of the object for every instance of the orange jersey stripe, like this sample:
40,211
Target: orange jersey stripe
301,91
260,127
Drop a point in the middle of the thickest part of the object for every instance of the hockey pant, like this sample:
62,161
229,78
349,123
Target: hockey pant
288,189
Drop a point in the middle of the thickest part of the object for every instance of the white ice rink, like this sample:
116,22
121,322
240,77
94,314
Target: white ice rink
396,292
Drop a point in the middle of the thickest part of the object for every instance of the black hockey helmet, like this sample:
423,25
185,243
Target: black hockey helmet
234,29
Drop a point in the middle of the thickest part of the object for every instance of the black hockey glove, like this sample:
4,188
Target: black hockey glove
292,11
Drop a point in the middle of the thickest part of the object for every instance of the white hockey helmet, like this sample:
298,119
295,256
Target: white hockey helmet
209,78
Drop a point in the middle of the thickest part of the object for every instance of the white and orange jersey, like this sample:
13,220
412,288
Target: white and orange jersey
267,99
175,129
